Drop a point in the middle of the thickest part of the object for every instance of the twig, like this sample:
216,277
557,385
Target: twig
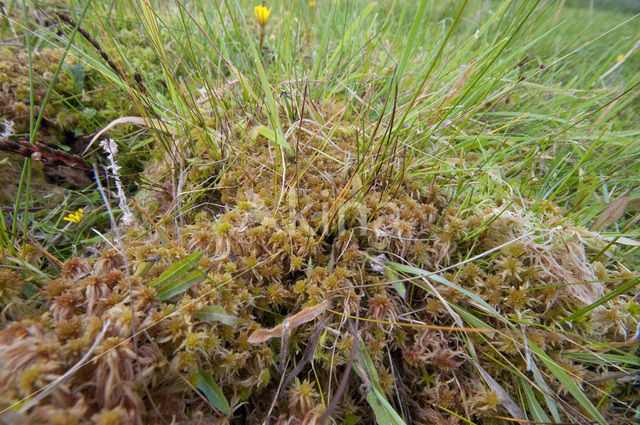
92,41
345,377
308,353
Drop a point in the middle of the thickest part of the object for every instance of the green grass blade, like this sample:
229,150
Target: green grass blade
346,38
213,392
177,270
568,383
403,268
546,391
410,44
537,412
611,295
180,285
215,313
384,412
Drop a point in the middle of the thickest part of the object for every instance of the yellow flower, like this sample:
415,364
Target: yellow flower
262,14
619,58
312,3
74,217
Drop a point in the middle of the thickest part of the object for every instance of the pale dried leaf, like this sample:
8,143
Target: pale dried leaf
122,120
611,214
308,314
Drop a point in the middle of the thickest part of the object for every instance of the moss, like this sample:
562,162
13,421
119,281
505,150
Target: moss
79,102
272,249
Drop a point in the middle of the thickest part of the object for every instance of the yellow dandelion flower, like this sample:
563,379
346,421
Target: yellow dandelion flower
620,58
312,3
74,217
262,14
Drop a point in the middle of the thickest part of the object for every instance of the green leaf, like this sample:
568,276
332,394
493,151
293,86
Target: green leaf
411,40
611,295
28,290
546,391
347,38
397,284
605,358
212,392
563,377
177,270
537,412
179,277
215,313
180,285
142,268
403,268
273,137
379,409
382,409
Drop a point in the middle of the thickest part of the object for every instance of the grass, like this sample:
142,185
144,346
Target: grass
459,179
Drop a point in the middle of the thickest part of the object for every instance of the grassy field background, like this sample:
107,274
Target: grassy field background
350,212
